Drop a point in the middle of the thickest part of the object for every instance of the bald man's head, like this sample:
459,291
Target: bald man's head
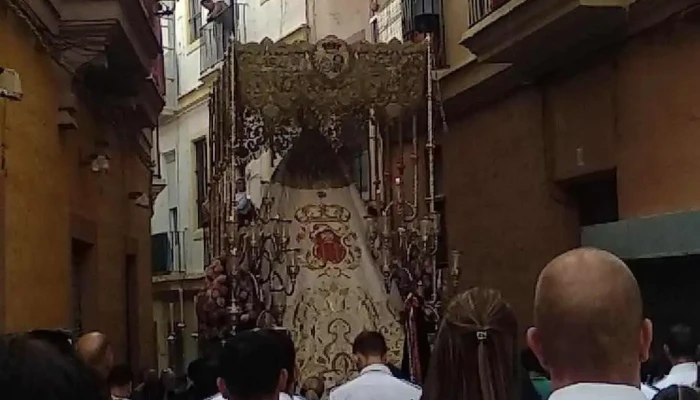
96,351
589,324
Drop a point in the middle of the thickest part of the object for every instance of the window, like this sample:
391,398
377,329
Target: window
596,195
174,256
200,173
195,21
171,178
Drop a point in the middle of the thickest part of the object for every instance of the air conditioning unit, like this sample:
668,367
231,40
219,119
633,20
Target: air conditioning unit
10,85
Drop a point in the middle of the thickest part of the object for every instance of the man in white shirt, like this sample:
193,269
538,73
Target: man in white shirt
375,382
680,349
590,333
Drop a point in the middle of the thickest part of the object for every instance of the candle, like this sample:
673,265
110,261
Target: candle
254,234
455,267
371,226
436,222
194,311
385,254
267,165
399,194
171,307
425,224
385,224
181,294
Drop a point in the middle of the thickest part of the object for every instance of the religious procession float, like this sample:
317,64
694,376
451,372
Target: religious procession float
313,256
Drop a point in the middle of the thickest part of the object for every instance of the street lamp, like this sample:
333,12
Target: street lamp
10,84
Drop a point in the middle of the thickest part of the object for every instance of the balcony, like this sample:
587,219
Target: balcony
114,47
537,30
518,30
216,34
537,34
168,253
420,17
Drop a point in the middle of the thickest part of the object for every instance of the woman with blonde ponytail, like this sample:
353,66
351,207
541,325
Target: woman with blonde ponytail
475,355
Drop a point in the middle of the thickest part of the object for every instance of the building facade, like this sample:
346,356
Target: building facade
75,185
572,123
192,47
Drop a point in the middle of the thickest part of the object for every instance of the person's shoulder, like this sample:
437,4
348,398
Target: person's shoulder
339,392
408,385
649,391
664,382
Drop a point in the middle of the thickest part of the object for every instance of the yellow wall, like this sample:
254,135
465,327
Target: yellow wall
456,14
37,249
47,189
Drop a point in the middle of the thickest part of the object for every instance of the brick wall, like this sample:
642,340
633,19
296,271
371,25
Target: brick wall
635,108
502,212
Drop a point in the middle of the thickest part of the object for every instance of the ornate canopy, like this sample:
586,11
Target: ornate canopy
330,85
329,77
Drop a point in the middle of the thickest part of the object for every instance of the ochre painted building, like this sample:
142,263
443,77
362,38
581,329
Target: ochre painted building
75,243
572,123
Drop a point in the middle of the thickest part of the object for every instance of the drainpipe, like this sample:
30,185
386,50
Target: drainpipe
311,19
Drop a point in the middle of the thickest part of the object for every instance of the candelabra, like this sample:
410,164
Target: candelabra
259,250
407,246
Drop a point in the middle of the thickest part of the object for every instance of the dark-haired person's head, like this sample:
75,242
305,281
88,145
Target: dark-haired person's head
677,392
121,381
369,348
31,368
251,368
289,358
476,350
203,373
681,344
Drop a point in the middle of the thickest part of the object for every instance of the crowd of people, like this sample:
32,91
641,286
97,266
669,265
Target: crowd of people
589,340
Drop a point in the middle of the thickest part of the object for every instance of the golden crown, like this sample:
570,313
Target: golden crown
322,213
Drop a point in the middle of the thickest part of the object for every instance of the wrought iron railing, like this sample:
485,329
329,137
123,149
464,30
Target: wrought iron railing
479,9
168,252
216,34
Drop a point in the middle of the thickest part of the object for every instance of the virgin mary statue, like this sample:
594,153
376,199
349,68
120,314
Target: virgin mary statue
339,291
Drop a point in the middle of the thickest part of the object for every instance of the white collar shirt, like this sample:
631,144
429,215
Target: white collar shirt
685,374
597,391
286,396
649,391
283,396
376,382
